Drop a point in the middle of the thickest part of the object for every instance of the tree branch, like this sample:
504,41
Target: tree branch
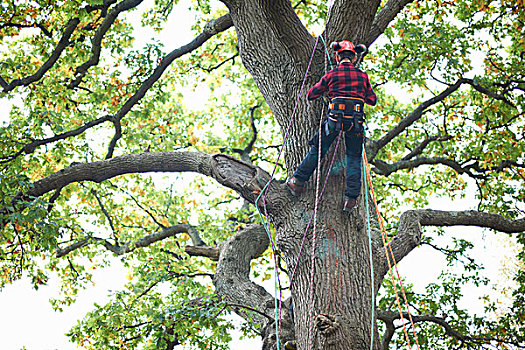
389,316
375,146
21,26
77,245
217,66
232,277
96,41
245,152
212,28
411,221
419,149
31,147
116,137
207,252
245,178
386,169
488,92
104,211
134,244
384,17
62,44
351,20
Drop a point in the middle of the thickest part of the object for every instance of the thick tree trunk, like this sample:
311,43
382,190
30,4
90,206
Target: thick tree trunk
334,310
276,49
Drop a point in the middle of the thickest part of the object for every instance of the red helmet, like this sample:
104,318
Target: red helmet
344,45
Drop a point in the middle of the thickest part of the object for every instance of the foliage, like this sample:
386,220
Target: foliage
429,46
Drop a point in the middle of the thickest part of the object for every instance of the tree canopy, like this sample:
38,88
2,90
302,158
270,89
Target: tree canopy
158,155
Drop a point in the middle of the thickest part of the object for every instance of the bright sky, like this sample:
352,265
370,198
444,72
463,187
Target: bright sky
30,321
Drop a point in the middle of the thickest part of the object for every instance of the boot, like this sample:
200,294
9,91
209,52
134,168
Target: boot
295,185
290,345
350,203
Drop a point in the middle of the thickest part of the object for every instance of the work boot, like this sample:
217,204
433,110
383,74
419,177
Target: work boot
350,204
295,185
290,345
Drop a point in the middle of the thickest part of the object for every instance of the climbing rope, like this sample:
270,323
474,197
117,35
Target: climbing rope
312,262
318,195
266,223
390,254
372,280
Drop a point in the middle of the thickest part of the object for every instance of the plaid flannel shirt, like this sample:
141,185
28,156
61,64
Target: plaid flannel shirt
344,80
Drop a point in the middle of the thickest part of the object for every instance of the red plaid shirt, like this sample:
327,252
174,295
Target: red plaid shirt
344,80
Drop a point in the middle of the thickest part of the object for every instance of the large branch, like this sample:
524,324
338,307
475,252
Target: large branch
375,146
474,170
62,44
280,18
234,286
212,28
386,169
121,249
232,277
211,253
384,17
247,179
351,20
275,48
410,223
288,28
389,317
232,282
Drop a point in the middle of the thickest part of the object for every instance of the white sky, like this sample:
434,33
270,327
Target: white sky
30,321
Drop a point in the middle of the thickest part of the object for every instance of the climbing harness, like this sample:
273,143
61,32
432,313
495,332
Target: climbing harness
349,108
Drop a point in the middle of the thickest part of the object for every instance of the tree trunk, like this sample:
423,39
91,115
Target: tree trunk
276,49
337,312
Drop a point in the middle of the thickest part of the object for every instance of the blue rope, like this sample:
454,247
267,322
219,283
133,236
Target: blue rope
277,291
327,53
370,248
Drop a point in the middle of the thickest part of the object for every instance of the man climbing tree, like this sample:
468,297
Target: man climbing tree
94,120
348,89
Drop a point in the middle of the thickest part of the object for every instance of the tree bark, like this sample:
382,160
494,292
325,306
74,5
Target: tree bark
276,49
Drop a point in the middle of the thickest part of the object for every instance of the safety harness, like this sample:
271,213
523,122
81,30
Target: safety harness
341,108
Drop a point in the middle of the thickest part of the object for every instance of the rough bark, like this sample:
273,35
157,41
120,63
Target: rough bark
273,50
233,284
245,178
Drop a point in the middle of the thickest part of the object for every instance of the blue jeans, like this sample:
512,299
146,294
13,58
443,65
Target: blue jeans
354,147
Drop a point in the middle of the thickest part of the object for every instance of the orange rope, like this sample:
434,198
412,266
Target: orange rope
386,243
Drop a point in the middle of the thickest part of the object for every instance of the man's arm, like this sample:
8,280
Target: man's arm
370,95
318,89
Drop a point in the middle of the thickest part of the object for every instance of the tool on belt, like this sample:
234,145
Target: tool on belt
342,108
